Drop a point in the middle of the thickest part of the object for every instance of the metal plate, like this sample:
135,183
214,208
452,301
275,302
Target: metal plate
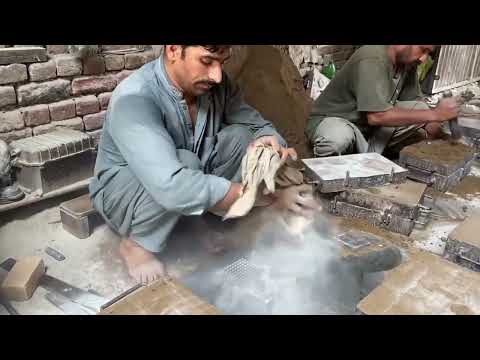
338,173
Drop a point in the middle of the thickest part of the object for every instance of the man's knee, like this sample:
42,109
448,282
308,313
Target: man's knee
235,137
232,143
335,137
189,159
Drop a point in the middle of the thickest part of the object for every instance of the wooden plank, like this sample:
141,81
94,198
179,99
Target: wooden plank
163,297
21,55
425,285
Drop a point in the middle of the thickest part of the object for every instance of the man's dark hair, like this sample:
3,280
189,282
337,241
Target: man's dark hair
211,48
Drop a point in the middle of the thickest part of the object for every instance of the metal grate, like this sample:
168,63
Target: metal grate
457,65
241,270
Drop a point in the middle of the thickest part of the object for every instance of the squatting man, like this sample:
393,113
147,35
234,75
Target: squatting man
374,104
174,137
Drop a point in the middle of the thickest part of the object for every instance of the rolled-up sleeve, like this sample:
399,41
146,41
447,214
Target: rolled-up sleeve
138,131
237,111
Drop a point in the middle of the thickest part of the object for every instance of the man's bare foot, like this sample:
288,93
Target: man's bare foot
142,265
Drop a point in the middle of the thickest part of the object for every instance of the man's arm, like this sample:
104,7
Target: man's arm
138,131
373,90
447,109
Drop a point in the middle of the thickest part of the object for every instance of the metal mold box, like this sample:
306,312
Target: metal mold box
78,216
51,161
438,163
463,244
395,207
338,173
62,143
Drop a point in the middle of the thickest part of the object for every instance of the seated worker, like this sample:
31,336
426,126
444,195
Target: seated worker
374,103
174,137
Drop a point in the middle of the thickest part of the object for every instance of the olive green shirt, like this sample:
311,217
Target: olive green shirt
366,83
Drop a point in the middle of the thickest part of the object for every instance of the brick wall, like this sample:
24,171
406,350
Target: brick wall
53,89
56,89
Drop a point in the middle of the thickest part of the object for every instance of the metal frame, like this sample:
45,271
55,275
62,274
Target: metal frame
458,65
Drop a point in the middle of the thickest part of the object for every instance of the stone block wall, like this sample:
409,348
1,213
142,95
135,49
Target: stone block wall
306,57
43,87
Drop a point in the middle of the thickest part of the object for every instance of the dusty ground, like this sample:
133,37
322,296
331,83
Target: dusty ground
94,263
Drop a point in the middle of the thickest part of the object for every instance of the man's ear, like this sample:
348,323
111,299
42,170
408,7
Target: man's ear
173,52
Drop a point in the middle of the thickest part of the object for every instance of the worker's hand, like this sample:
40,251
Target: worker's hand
232,195
273,142
447,109
298,199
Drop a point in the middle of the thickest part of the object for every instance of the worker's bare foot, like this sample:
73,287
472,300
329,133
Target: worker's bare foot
142,265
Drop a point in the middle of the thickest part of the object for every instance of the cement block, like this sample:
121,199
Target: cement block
43,93
23,55
11,120
13,73
7,96
35,115
42,71
93,84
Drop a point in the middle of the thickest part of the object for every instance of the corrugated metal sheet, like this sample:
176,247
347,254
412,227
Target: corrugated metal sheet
457,65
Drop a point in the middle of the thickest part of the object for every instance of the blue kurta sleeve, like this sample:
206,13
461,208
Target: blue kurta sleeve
138,130
237,111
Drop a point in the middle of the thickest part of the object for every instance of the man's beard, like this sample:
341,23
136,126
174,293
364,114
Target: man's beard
403,59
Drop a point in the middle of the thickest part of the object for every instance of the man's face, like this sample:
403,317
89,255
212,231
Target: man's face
413,54
196,69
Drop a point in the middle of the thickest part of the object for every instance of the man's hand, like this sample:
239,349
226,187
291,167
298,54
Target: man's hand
273,142
298,199
232,195
447,109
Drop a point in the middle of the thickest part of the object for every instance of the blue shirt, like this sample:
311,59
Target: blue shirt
148,120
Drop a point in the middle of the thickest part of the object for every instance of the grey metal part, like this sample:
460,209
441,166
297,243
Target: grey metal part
455,129
356,183
245,282
409,162
438,181
463,254
378,218
54,253
63,143
54,175
372,202
80,227
67,306
338,173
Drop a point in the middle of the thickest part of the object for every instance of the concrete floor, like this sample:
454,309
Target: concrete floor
94,263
